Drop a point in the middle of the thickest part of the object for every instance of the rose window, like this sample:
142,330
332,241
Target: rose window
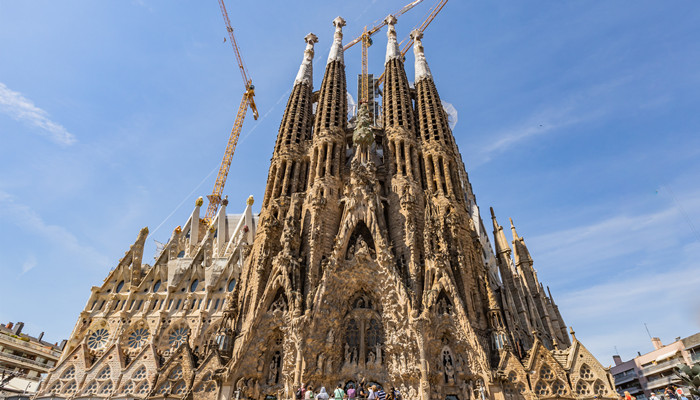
137,338
98,339
178,336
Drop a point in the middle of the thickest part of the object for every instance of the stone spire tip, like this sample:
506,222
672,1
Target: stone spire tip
305,74
392,46
422,70
336,53
493,215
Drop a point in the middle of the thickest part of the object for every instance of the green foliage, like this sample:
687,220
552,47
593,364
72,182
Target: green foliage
690,375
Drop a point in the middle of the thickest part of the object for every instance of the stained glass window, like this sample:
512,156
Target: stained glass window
104,374
194,285
180,388
546,372
599,388
71,387
92,388
178,336
98,338
69,373
541,388
137,338
139,374
164,388
586,372
144,388
559,388
176,373
107,388
119,287
231,285
582,387
128,388
156,286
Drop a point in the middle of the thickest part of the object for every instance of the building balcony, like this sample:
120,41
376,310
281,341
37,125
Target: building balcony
23,362
662,366
662,382
626,378
31,347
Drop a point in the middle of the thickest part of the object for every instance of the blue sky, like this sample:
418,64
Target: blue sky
577,119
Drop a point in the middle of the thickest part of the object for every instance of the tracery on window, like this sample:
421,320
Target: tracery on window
352,342
98,339
104,374
69,373
546,373
180,388
280,302
128,388
106,388
144,388
175,373
70,388
559,388
586,372
178,336
599,388
92,388
582,388
541,388
164,388
139,374
137,338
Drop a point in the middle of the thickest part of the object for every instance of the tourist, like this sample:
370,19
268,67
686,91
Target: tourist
351,391
653,396
339,393
299,394
390,394
381,394
628,396
309,394
372,393
322,395
361,391
397,395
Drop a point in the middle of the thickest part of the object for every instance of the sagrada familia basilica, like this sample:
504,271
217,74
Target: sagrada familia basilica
369,260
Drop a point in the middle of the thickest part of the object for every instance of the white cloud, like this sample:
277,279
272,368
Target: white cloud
29,264
20,108
28,220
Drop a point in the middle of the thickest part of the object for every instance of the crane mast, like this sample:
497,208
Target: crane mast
247,101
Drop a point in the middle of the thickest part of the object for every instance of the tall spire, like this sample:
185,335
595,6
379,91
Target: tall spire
336,53
306,69
422,69
392,47
512,229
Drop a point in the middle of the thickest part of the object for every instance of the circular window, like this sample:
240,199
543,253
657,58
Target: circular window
193,286
156,286
178,336
231,285
137,338
98,339
119,287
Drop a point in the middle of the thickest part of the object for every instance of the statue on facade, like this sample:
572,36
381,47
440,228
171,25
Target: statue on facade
363,137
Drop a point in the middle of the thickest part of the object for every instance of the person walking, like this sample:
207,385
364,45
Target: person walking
339,393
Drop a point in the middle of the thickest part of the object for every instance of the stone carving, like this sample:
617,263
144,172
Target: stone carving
378,258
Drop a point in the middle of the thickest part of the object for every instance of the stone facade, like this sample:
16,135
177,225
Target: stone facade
370,260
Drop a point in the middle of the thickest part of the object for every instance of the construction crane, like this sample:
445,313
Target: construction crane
366,39
431,16
247,101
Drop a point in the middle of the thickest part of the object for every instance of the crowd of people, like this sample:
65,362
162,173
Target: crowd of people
670,393
360,391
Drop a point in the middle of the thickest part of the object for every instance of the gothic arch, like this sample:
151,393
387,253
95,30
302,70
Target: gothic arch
360,234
